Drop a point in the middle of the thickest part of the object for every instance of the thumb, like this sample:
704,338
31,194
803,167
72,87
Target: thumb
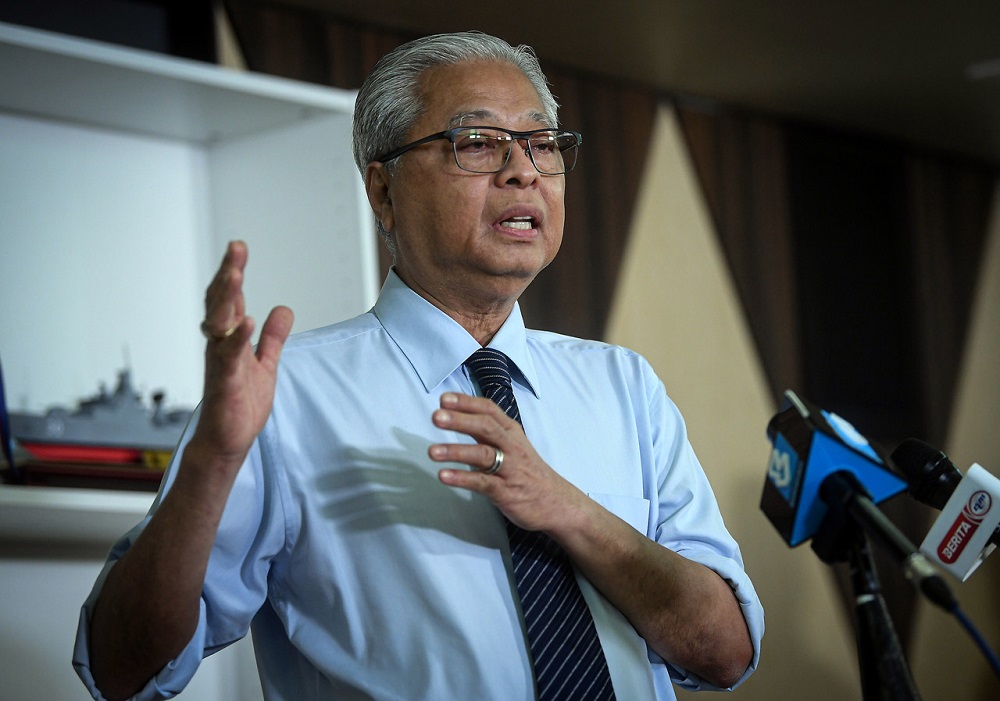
273,335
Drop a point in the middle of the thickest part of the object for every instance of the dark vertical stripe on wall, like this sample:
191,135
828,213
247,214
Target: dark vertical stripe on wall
740,163
851,233
949,206
573,295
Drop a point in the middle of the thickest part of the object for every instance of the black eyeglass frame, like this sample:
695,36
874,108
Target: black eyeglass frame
450,135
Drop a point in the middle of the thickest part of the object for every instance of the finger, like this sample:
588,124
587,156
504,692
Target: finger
219,327
480,457
223,355
235,258
236,254
224,301
470,404
239,254
273,335
472,480
491,427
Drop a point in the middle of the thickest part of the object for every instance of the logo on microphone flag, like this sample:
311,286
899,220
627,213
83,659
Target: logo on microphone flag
965,526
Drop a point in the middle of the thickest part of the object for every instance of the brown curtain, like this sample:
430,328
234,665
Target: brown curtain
856,260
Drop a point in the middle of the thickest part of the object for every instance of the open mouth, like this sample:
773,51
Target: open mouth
519,223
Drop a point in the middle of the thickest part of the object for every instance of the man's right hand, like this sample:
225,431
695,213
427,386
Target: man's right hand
148,608
239,383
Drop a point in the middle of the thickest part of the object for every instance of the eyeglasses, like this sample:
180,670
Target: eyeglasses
487,149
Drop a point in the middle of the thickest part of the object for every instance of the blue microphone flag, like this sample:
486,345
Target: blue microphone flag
810,444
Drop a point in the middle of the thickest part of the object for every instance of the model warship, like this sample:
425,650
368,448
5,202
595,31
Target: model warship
110,427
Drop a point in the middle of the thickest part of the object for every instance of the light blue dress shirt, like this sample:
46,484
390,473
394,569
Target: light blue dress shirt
364,577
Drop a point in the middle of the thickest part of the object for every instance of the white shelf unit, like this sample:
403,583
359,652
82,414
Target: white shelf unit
71,519
122,175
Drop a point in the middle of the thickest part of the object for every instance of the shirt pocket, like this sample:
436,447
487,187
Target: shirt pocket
632,510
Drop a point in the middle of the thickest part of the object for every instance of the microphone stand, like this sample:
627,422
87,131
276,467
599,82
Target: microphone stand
885,673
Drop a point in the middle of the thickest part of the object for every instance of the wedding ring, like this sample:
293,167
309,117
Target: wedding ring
215,336
497,463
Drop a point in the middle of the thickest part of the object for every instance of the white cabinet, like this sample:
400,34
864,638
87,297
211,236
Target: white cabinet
122,175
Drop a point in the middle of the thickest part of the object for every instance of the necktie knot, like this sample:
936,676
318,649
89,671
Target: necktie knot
491,370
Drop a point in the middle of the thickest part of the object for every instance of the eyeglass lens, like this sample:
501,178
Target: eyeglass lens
486,150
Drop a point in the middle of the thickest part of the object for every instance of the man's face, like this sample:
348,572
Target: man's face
466,236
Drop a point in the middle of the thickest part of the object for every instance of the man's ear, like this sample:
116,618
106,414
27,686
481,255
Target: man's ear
377,189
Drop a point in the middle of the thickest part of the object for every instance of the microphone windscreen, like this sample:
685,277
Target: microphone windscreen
931,475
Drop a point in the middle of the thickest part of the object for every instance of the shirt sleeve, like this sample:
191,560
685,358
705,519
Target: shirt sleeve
172,679
250,533
690,523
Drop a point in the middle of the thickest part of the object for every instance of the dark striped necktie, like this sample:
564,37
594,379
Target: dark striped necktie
566,652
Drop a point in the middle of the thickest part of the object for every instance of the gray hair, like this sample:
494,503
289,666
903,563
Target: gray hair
389,102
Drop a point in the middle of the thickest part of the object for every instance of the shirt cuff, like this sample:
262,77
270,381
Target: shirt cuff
753,614
167,683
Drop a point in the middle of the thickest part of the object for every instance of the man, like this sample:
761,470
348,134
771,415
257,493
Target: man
355,503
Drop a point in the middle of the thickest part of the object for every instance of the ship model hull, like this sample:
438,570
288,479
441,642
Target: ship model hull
108,428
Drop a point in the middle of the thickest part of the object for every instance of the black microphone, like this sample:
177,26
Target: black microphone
820,461
931,475
968,529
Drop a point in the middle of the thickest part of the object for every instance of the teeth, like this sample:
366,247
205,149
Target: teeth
523,223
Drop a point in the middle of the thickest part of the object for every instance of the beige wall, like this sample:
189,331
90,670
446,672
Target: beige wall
677,306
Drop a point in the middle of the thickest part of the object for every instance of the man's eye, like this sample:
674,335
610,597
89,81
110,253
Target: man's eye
477,143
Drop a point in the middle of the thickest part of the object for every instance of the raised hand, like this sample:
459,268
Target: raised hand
149,606
239,382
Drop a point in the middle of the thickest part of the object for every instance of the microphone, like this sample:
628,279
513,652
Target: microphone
810,445
968,529
820,461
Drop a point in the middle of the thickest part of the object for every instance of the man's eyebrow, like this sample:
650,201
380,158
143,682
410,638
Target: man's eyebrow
485,116
474,116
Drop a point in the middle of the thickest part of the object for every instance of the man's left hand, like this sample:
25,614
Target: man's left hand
528,492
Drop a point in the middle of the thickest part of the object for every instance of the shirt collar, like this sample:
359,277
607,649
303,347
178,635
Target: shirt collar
436,345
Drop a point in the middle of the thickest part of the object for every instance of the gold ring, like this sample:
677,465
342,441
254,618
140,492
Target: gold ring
216,337
497,463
